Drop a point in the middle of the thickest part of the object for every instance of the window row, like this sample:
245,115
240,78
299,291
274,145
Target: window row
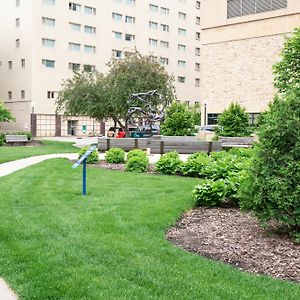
127,36
22,63
10,95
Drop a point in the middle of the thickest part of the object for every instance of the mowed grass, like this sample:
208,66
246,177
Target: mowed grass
56,244
48,147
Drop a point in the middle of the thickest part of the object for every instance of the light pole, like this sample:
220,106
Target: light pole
32,107
205,111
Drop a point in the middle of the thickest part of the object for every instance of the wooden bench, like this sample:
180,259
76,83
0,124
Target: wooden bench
16,140
236,142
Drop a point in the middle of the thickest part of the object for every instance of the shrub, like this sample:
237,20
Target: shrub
136,153
272,190
210,192
137,164
2,139
115,156
169,164
27,133
234,121
93,158
196,165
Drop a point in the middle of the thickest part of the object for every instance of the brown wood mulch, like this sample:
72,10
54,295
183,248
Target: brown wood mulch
228,235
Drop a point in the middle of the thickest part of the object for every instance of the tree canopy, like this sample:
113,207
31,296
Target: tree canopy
5,114
102,96
287,71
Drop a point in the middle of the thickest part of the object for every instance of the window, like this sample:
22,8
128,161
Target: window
18,22
129,37
90,10
165,27
48,21
197,66
181,79
23,63
129,19
198,36
198,4
117,53
236,8
49,2
74,46
22,94
130,2
212,119
89,49
89,29
197,81
153,25
181,31
74,67
10,64
153,8
50,94
17,43
181,63
164,44
9,95
198,19
153,42
48,43
182,15
187,103
75,26
197,51
181,47
253,118
117,35
48,63
164,11
74,6
117,17
164,61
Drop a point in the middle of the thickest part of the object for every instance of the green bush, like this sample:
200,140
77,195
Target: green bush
210,192
272,190
234,121
93,158
169,164
196,165
2,139
27,133
115,156
138,164
136,153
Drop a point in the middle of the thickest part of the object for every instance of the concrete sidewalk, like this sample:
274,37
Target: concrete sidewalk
5,292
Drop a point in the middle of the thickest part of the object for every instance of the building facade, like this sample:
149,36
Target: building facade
44,41
241,40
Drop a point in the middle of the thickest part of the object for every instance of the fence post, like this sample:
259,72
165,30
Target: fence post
107,144
209,147
162,147
136,144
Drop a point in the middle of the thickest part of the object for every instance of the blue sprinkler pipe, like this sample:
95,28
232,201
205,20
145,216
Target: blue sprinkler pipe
84,178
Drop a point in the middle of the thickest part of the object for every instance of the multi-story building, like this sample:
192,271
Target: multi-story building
44,41
241,40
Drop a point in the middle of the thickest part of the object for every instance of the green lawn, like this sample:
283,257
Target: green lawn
49,147
56,244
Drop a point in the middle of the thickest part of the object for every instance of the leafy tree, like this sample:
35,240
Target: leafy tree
180,120
5,114
234,121
272,190
287,71
106,96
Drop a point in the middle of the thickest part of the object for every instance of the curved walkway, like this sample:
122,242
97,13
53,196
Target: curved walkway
13,166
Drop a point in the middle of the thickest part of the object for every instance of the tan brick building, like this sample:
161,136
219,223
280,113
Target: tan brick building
241,40
44,41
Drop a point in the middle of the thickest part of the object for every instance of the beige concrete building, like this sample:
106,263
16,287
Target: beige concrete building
241,40
44,41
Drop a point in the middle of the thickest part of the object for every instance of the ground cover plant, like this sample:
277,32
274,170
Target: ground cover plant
55,244
47,147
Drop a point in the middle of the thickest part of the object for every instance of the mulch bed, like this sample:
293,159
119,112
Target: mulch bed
236,238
